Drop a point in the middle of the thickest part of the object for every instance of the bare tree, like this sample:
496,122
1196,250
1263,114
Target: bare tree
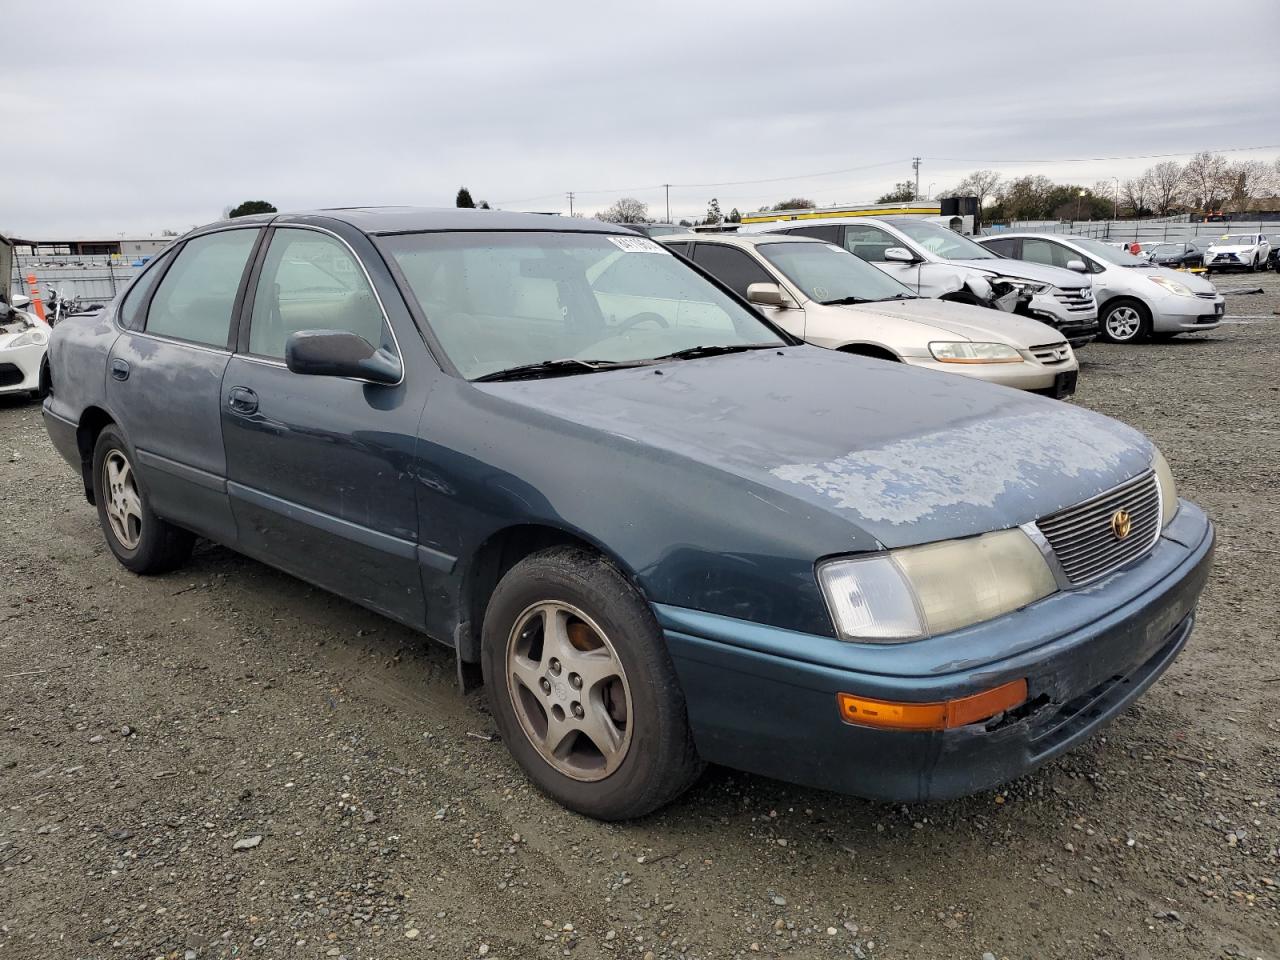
1248,180
1164,183
1136,194
625,210
981,184
1207,181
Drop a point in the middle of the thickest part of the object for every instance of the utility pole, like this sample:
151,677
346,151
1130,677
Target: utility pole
668,189
570,196
1115,210
915,162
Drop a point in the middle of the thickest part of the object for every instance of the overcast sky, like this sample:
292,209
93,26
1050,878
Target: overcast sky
136,117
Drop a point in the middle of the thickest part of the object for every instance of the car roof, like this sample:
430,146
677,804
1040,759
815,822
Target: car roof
388,220
735,239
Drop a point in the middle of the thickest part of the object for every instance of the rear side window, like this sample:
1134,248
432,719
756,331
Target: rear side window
1006,248
829,232
732,267
136,299
310,281
195,299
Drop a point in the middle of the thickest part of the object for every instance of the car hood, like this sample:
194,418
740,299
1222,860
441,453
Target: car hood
1233,248
965,321
906,455
1066,279
1196,284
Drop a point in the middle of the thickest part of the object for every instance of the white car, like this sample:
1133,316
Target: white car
24,337
822,293
1238,251
1137,299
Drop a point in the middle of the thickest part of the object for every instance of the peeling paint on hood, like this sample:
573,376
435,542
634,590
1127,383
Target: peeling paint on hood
970,465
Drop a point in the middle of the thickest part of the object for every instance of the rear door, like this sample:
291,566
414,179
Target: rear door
164,377
320,468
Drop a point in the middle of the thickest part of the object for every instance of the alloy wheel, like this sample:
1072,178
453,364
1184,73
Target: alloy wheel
1123,323
124,504
569,690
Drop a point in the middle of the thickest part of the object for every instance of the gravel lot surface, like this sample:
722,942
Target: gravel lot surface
224,762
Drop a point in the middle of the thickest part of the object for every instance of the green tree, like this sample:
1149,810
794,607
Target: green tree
484,205
901,191
464,198
250,207
714,216
795,203
734,216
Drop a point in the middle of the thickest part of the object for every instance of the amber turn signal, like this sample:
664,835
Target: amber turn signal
939,715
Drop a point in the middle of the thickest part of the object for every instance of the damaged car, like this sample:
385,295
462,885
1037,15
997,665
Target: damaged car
24,337
660,529
935,261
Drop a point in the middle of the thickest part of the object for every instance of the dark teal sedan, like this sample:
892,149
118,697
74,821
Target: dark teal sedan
663,531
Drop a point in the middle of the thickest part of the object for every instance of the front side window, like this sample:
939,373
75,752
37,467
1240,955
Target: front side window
497,301
735,268
942,242
1047,252
868,242
828,274
310,281
195,299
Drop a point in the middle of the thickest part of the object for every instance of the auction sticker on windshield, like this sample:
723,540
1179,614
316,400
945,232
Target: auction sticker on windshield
638,245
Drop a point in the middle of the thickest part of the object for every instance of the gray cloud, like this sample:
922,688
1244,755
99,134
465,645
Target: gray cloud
161,115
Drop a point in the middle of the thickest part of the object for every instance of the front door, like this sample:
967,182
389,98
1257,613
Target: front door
164,377
320,468
869,242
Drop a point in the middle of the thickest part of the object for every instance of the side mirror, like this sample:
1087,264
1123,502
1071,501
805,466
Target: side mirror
899,255
766,294
336,353
21,301
1077,265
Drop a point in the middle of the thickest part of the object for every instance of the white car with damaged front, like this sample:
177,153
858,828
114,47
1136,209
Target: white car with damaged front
24,337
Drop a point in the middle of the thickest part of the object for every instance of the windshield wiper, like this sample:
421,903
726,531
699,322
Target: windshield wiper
713,350
553,368
897,296
845,301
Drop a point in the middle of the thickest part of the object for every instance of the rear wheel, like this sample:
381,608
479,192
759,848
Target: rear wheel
582,687
1125,321
141,541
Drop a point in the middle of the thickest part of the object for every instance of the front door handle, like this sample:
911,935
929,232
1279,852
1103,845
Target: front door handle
242,400
119,369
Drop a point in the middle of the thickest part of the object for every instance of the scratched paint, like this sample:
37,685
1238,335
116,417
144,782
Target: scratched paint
973,464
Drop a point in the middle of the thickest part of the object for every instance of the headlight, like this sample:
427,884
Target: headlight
974,353
1021,283
920,592
1173,286
34,336
1168,491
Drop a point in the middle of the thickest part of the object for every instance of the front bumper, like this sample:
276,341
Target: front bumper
1027,375
1173,314
20,368
1077,326
763,699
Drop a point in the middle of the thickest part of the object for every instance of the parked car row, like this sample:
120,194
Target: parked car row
660,527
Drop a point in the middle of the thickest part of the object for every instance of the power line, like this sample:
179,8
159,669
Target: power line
1143,156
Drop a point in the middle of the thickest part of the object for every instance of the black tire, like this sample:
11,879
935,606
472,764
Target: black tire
160,545
660,761
1110,323
42,391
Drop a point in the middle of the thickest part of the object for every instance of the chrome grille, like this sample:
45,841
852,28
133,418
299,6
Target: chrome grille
1052,353
1211,295
1082,538
1075,298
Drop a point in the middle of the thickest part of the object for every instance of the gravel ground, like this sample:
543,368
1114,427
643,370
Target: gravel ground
155,726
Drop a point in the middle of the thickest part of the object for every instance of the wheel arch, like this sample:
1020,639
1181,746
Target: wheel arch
496,555
92,422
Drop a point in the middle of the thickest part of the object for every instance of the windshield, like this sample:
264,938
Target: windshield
1237,240
942,242
827,273
501,300
1110,254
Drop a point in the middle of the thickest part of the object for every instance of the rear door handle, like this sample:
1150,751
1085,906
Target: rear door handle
119,369
242,400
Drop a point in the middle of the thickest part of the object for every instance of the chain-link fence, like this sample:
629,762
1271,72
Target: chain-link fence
94,279
1141,231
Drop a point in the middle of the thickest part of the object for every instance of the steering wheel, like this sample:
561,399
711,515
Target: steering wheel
639,318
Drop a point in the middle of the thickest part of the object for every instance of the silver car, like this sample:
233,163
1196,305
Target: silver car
937,262
1137,299
832,299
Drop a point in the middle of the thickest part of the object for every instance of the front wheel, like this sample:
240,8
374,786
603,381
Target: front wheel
140,540
582,687
1125,321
